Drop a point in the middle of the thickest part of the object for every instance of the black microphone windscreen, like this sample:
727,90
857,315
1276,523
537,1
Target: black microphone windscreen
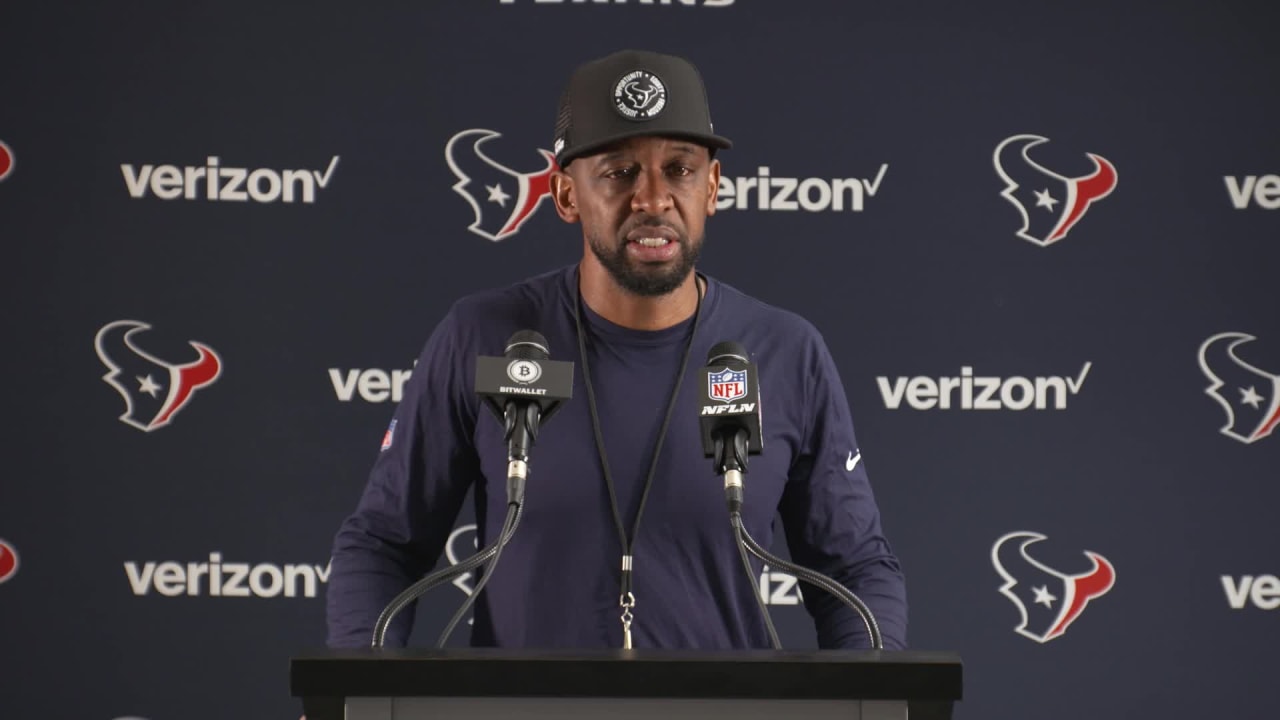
527,345
726,351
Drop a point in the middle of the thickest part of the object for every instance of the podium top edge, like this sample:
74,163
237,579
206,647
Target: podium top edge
644,655
493,672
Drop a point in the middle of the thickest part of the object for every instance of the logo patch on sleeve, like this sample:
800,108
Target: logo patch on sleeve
389,436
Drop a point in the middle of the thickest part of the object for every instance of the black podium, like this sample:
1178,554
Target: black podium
487,684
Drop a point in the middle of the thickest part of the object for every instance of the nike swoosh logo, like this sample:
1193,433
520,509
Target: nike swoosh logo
852,462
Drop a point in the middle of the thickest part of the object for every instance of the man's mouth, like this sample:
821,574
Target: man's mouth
653,235
652,242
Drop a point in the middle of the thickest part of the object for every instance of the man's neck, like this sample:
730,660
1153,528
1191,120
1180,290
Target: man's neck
622,307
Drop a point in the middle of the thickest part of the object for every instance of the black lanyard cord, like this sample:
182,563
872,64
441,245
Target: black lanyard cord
626,598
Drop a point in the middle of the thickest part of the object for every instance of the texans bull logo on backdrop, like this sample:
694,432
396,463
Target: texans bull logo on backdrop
463,542
1252,398
8,561
1048,600
509,197
153,390
1050,204
6,160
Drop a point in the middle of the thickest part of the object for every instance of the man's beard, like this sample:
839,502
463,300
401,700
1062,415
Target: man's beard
643,280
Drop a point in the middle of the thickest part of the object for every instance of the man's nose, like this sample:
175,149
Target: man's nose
652,193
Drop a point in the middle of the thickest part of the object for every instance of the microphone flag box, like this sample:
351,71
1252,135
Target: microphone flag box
729,398
546,382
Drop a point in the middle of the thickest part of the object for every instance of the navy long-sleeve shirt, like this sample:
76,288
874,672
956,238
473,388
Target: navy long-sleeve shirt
690,587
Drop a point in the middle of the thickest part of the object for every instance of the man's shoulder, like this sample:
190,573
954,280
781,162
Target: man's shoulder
536,290
782,323
491,315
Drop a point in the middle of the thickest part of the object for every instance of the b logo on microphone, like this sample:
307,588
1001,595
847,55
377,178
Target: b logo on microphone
524,371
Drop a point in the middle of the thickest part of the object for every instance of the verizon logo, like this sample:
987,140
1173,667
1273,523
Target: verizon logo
217,183
1261,591
814,194
779,588
1249,190
979,392
373,385
216,578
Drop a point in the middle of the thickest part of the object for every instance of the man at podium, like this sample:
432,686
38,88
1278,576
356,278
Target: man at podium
623,509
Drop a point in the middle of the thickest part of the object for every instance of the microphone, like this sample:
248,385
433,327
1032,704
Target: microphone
731,430
523,389
729,396
526,395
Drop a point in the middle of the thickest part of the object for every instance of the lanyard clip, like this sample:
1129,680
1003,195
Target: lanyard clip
626,601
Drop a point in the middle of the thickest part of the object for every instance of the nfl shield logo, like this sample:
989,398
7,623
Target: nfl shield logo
727,385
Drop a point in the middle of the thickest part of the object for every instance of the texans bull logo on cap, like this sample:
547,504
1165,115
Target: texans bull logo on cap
640,95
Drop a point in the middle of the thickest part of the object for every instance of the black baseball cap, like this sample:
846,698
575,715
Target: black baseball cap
628,94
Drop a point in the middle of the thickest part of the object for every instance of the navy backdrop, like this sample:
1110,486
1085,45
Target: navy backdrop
1040,242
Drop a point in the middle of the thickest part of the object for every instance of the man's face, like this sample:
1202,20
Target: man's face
643,205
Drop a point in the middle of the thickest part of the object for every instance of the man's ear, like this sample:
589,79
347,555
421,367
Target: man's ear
713,178
564,196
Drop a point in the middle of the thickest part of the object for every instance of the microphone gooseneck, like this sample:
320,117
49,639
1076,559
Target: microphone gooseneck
739,531
816,579
508,530
444,575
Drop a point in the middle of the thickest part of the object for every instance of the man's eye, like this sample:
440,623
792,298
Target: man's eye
681,171
620,173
